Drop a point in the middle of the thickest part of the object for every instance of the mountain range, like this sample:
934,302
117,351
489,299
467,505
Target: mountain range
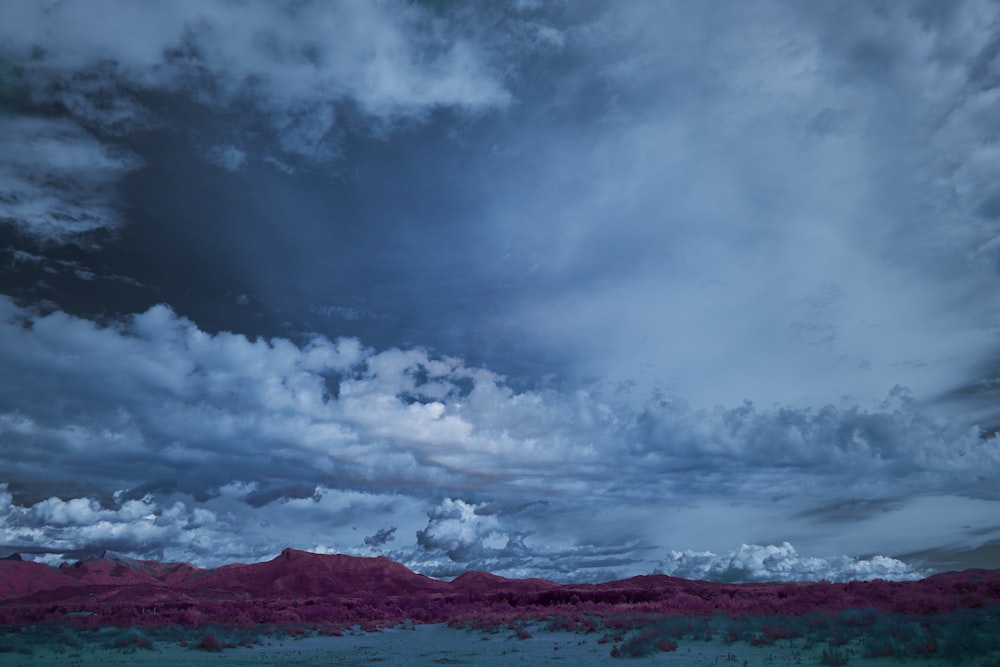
299,587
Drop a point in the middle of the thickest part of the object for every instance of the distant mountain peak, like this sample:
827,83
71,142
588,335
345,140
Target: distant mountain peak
477,576
289,553
116,558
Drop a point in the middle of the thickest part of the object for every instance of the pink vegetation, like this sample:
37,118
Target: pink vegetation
325,592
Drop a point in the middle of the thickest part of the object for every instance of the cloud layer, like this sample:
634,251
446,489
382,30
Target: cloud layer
193,444
760,201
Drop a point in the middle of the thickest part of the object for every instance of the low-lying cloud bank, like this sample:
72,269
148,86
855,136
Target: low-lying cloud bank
212,448
458,537
752,562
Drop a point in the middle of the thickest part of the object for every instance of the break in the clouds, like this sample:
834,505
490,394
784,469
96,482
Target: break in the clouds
576,290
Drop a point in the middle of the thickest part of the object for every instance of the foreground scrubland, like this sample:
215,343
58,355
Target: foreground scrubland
339,609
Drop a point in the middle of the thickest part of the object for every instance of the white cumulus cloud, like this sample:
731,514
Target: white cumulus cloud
751,562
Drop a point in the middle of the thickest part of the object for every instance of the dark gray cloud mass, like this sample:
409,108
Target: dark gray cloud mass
576,290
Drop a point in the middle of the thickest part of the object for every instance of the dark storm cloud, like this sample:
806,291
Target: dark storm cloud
850,510
293,66
264,92
381,537
654,177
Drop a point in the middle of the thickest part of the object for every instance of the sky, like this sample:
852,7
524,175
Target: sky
574,289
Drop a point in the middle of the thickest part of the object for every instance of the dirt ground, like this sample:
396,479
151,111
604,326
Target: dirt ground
435,645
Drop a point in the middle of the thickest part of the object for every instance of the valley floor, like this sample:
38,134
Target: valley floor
435,645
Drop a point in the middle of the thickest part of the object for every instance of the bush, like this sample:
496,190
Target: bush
208,643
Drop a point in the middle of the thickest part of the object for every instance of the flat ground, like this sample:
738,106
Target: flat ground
434,645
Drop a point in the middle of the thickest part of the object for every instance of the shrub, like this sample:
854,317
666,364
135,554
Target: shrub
208,643
666,645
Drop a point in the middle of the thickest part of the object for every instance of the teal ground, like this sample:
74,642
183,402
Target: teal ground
435,645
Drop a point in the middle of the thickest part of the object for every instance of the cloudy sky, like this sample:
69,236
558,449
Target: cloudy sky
575,289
